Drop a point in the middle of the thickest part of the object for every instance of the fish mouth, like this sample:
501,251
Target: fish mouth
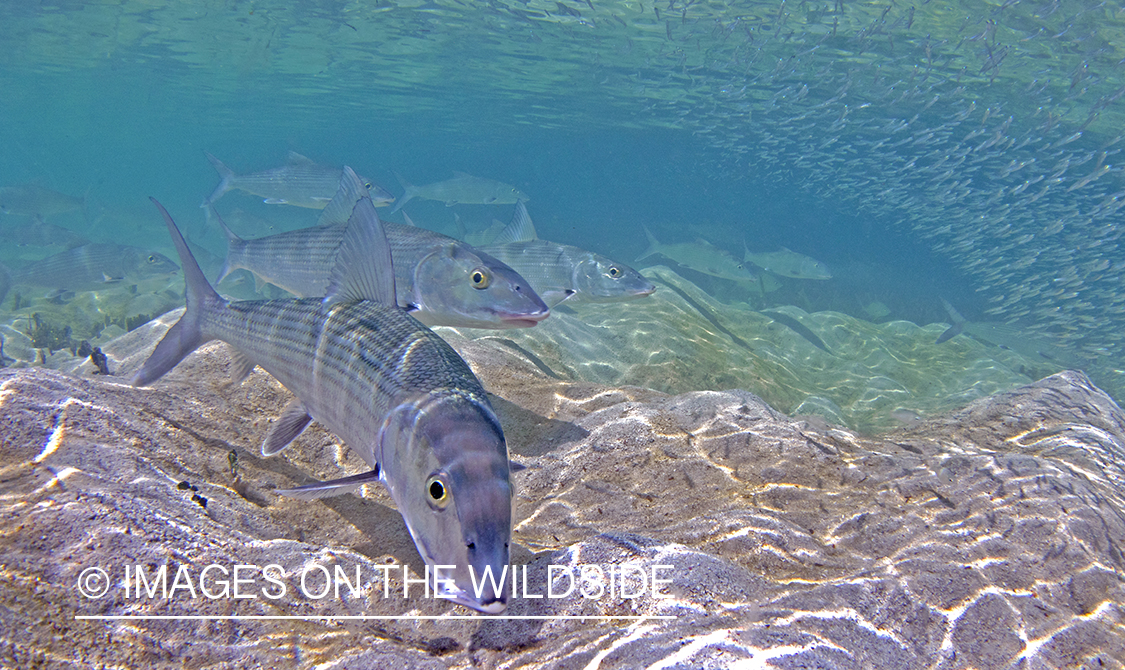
523,320
459,596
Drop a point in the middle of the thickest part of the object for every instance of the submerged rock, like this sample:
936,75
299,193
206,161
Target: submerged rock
988,537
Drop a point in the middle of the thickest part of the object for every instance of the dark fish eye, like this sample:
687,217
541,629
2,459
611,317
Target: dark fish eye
152,258
438,492
367,185
614,272
480,278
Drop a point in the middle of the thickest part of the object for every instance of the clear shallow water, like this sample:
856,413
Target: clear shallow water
921,152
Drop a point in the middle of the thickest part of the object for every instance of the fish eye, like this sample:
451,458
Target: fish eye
614,271
480,278
152,258
437,491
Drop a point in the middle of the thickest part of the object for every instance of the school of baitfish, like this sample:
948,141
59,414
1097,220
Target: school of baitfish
992,133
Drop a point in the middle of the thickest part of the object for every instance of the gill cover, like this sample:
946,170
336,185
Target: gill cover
456,286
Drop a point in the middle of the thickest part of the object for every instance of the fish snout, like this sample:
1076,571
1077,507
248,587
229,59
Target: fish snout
534,309
485,511
488,556
646,289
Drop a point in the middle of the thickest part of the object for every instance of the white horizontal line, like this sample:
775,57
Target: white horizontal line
360,617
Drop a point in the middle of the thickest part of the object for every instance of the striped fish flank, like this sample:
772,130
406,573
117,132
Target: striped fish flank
301,182
368,358
388,387
92,266
439,280
560,272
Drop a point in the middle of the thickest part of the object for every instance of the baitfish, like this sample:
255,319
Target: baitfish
439,280
388,387
463,189
560,272
786,263
700,256
93,266
300,182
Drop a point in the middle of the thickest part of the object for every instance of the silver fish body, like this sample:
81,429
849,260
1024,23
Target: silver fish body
301,182
440,281
33,199
391,389
560,272
462,189
786,263
700,256
93,266
39,233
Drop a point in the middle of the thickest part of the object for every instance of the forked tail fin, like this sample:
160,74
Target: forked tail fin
408,193
187,334
958,323
233,241
225,176
653,245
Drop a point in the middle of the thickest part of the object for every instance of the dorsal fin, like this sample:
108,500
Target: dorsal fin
520,229
363,269
295,158
339,208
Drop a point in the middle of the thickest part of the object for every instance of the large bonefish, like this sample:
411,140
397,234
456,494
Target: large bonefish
385,384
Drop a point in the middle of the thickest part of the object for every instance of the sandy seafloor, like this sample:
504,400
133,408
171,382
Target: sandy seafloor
805,526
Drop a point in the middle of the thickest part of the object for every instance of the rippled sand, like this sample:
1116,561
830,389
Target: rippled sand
987,538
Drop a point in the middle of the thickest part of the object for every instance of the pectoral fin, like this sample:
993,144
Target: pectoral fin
333,487
552,298
288,426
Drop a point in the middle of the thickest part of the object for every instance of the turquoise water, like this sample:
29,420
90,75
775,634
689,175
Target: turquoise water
963,151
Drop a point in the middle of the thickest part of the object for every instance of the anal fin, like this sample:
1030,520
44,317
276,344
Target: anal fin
332,487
